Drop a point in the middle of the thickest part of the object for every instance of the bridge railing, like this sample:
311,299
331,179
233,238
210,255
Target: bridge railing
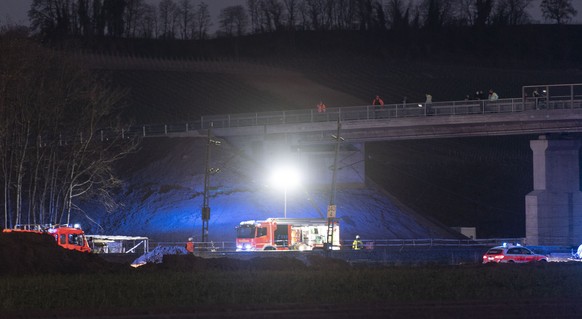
369,112
362,112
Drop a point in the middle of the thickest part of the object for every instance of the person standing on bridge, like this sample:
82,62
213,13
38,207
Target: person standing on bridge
493,96
378,102
428,104
321,107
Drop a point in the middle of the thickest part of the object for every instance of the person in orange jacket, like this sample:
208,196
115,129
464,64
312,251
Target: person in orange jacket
321,107
190,245
378,102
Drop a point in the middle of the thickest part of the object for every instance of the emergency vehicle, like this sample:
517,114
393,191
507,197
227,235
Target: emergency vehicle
285,234
508,253
66,236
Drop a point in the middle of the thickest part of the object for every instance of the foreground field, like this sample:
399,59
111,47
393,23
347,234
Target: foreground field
38,279
187,284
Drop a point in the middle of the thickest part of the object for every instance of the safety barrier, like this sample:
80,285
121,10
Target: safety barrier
368,243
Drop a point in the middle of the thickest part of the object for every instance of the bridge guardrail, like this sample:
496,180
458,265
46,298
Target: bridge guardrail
352,113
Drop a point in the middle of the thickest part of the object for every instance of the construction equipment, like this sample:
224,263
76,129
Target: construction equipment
66,236
285,234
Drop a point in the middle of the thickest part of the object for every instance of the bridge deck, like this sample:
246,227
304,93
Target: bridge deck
395,121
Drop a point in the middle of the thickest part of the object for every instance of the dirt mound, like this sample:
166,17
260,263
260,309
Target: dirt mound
29,253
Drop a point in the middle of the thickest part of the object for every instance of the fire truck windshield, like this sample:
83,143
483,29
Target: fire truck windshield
245,231
76,239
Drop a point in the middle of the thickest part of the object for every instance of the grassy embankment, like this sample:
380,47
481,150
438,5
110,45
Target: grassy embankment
165,288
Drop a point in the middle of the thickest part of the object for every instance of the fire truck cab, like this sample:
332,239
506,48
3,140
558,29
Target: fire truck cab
285,234
66,236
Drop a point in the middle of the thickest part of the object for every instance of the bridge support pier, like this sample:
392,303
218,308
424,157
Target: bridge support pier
554,208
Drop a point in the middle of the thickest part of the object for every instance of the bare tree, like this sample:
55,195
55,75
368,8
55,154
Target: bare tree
98,17
315,13
378,16
291,7
147,25
329,14
272,11
50,158
483,9
132,16
85,25
345,12
253,7
364,14
397,14
233,20
466,12
113,14
186,15
560,11
511,12
168,12
202,20
50,17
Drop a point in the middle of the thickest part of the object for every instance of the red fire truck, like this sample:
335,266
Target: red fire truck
285,234
66,236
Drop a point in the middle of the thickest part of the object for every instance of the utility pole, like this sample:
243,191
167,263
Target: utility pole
207,172
331,209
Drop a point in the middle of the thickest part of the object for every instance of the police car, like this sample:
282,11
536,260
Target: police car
512,254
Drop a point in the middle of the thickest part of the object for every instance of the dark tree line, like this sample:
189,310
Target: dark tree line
190,19
121,18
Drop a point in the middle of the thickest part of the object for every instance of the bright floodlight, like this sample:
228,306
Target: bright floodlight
285,177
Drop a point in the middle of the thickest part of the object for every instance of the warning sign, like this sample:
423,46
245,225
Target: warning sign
331,211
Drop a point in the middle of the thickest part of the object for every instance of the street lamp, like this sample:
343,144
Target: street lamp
285,177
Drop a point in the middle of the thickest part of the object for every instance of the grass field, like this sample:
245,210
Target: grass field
155,288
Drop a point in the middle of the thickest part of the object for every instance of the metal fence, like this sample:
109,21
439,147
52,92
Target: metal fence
228,246
355,113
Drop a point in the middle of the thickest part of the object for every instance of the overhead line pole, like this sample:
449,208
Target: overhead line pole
207,172
331,209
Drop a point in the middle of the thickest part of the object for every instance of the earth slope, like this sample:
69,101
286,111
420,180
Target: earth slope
163,196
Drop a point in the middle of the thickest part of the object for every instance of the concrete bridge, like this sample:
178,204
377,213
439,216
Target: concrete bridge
306,138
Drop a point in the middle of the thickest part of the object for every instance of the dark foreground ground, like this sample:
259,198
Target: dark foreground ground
466,309
40,280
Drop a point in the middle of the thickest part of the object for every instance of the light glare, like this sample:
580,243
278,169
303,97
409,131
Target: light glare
285,177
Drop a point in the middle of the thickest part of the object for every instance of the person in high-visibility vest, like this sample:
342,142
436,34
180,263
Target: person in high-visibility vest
357,244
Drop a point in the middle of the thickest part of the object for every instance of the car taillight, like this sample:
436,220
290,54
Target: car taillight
498,257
